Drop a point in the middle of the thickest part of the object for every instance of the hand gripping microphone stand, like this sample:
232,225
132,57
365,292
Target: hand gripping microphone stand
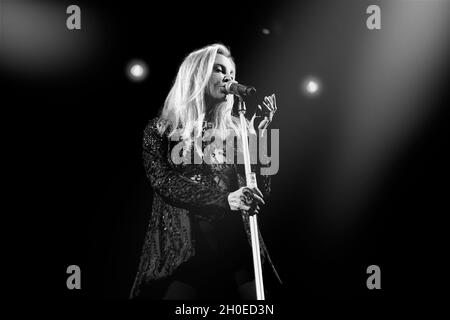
251,183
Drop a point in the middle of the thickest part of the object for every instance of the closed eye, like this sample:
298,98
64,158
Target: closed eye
222,69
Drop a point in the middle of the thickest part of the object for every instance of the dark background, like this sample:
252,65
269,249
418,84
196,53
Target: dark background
79,120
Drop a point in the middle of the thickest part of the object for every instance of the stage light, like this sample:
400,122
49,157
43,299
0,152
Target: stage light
137,70
265,31
311,86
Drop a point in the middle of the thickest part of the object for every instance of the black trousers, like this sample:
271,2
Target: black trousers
222,267
184,285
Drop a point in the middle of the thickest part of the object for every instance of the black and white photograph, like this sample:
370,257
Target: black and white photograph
227,159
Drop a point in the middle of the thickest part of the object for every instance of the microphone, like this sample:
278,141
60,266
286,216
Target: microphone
238,89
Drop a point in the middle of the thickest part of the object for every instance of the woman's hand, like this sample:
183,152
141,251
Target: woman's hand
267,111
246,199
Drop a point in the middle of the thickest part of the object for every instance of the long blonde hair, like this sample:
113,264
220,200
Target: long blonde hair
184,108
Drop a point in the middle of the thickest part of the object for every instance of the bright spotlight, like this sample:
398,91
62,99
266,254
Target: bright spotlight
136,70
311,86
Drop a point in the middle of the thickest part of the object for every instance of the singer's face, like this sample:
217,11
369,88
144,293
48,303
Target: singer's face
223,72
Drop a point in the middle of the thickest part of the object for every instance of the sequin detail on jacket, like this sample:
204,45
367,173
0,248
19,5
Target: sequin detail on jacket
180,193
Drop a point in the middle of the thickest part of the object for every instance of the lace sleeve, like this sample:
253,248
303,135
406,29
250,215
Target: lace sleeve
169,183
264,184
263,181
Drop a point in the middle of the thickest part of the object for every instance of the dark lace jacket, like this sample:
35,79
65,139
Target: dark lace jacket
180,193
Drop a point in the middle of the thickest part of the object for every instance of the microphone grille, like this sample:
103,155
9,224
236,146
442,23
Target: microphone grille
228,85
251,90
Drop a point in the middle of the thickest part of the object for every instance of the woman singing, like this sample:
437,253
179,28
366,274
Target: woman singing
197,244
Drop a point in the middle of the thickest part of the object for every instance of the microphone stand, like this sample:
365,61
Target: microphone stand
250,178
